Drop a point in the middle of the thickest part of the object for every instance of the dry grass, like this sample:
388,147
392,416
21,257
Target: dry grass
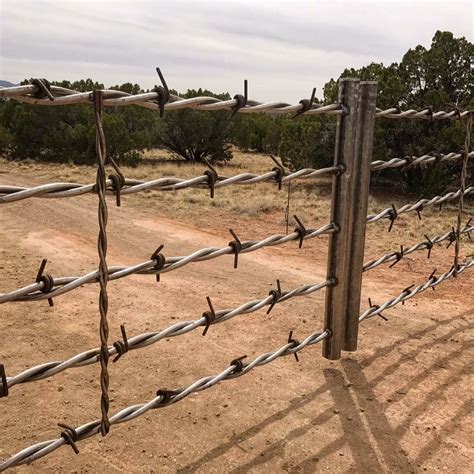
310,200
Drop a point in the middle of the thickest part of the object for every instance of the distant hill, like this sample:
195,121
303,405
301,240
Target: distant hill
6,83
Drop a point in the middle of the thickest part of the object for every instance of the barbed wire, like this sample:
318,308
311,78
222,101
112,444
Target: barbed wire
131,186
236,369
427,244
151,100
410,292
392,213
379,165
209,318
158,265
65,190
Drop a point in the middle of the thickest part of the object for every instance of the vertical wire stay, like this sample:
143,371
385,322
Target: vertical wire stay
103,270
467,147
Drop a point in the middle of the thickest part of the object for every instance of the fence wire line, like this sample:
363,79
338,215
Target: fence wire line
410,292
33,292
91,356
64,96
140,341
424,245
236,369
65,190
392,213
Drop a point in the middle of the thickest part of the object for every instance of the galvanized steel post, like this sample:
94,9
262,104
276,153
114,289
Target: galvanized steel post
339,242
359,202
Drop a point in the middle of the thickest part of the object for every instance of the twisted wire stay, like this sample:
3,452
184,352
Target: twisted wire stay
103,272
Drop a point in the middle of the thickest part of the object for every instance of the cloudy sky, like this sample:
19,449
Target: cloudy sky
284,48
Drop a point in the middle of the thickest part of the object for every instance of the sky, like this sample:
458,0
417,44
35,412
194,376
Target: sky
284,48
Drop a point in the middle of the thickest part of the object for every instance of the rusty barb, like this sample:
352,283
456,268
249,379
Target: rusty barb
159,260
209,316
279,170
236,246
44,89
306,104
162,93
300,230
46,279
241,100
212,176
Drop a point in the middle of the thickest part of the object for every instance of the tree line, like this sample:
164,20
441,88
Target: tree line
439,77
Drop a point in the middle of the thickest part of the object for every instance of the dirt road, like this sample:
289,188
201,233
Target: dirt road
401,403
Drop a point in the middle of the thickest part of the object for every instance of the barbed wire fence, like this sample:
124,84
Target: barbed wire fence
356,113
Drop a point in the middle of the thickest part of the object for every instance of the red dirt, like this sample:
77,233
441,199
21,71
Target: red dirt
400,403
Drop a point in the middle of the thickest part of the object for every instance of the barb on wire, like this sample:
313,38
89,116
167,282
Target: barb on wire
140,341
392,213
163,398
428,244
156,265
412,291
162,93
236,369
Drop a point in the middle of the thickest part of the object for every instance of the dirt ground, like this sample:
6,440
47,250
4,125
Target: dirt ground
401,403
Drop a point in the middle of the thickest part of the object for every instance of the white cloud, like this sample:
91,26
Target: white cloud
283,48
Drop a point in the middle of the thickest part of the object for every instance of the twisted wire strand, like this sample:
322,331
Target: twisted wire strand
379,165
114,98
131,186
467,146
140,341
65,190
409,293
424,245
103,272
419,205
236,369
33,292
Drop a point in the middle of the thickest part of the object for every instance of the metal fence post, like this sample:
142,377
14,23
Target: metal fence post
359,202
339,242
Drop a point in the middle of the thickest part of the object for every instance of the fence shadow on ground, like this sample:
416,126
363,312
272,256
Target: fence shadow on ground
372,438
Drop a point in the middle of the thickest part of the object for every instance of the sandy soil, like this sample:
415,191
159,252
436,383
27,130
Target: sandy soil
402,403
